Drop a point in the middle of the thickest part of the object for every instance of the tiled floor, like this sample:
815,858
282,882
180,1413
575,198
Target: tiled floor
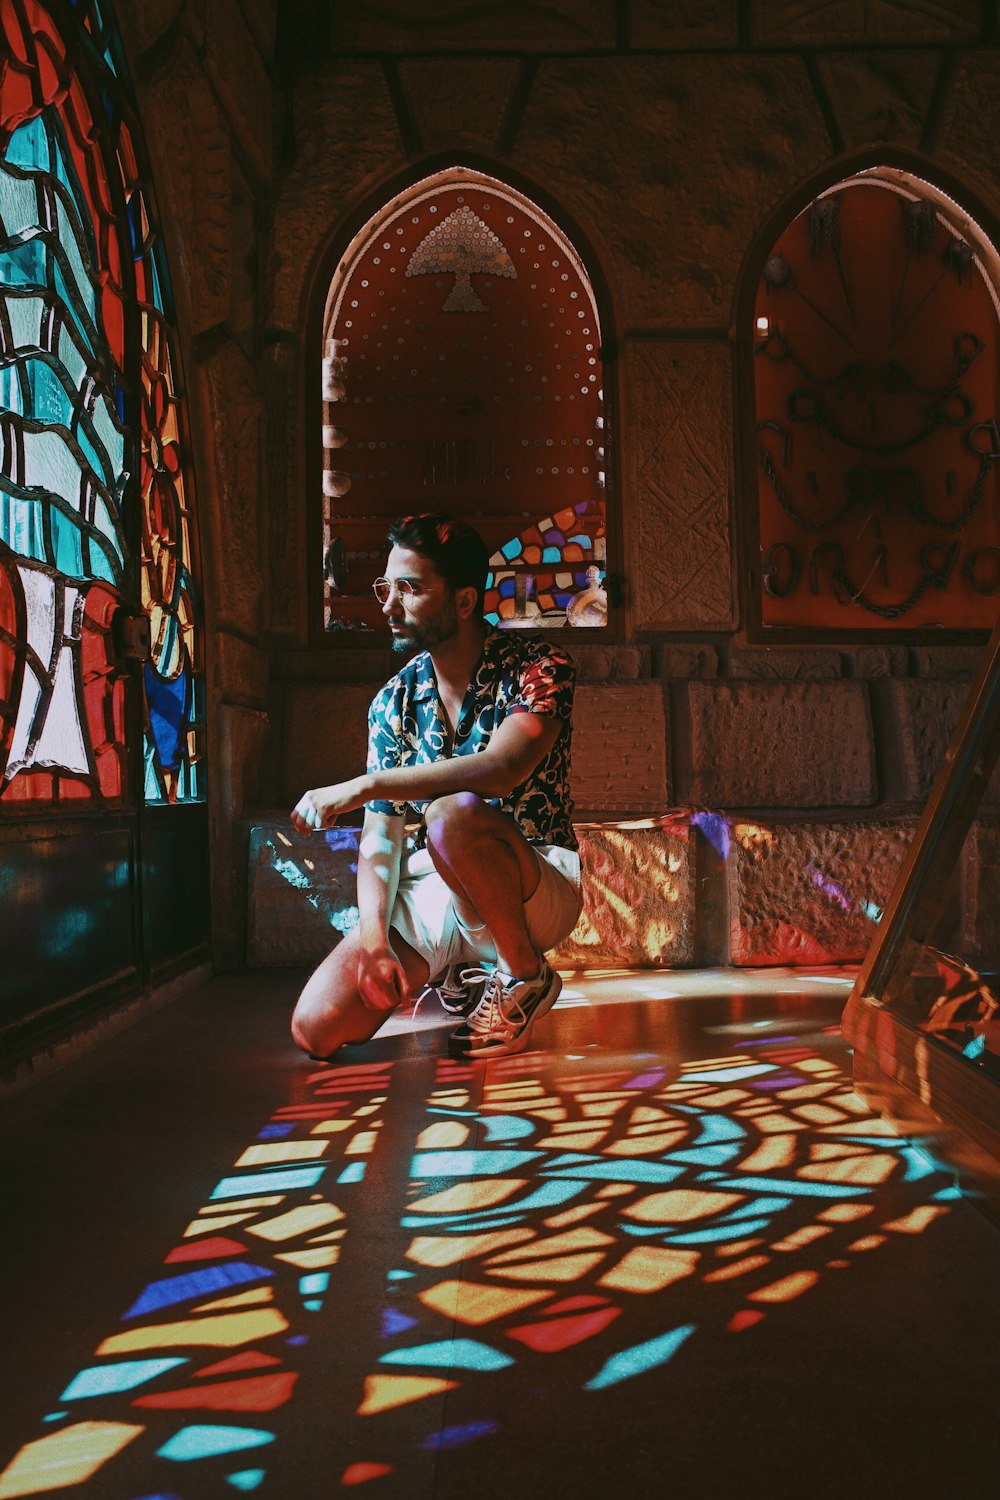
669,1252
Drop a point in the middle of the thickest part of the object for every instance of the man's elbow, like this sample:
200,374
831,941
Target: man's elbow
502,779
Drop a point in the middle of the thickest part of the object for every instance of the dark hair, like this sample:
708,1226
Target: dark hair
457,550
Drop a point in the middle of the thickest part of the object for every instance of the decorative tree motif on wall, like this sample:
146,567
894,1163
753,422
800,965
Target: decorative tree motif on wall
94,508
462,246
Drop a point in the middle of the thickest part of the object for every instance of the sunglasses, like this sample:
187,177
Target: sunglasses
383,587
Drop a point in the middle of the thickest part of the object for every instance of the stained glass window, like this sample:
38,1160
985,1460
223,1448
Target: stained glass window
95,517
462,371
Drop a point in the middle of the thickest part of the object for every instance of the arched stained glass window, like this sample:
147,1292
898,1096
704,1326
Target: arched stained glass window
95,514
462,371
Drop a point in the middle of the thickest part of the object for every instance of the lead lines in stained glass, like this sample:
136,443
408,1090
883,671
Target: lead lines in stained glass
63,447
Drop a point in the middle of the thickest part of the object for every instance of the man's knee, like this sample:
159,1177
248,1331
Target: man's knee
455,814
310,1030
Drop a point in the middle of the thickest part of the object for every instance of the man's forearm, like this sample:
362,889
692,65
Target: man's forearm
485,774
378,880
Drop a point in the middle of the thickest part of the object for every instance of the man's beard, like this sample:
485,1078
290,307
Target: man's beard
432,633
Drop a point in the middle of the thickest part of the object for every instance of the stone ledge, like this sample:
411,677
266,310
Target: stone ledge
810,893
796,893
639,896
639,892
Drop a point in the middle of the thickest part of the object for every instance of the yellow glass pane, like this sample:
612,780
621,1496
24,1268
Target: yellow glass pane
237,1205
309,1217
649,1268
771,1156
471,1302
209,1226
465,1195
739,1268
443,1135
917,1221
802,1237
646,1145
70,1456
361,1144
223,1332
845,1213
587,1140
787,1289
680,1205
555,1244
572,1215
869,1242
860,1169
281,1151
311,1260
383,1392
448,1249
255,1298
557,1268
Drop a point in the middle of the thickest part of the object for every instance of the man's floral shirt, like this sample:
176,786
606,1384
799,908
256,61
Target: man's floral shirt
407,726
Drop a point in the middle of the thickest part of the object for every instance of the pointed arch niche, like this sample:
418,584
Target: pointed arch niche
875,360
462,372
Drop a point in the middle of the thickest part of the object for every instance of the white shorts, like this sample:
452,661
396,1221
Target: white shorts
424,911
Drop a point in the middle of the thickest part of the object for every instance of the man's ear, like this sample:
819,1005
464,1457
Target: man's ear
466,600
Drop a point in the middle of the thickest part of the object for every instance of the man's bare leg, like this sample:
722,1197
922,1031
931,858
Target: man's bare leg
491,868
330,1010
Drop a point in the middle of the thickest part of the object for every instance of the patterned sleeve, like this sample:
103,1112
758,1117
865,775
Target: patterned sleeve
545,684
383,745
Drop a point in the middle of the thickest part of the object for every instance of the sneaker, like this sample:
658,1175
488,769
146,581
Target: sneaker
459,989
501,1022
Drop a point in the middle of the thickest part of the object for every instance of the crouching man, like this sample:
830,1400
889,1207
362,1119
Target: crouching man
472,736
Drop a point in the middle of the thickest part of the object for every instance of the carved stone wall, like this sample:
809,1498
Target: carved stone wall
234,409
677,412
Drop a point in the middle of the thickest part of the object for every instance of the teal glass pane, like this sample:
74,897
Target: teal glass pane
66,545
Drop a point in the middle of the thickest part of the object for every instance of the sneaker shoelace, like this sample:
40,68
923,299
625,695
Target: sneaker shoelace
489,1015
469,978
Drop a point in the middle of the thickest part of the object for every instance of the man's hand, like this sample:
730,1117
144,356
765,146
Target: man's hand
321,807
382,981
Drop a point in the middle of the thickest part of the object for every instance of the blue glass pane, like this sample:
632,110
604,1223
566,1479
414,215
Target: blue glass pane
169,705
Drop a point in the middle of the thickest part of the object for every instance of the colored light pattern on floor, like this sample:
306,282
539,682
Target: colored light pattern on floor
554,1222
239,1310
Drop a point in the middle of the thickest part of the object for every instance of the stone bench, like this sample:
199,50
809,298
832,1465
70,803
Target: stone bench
685,889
